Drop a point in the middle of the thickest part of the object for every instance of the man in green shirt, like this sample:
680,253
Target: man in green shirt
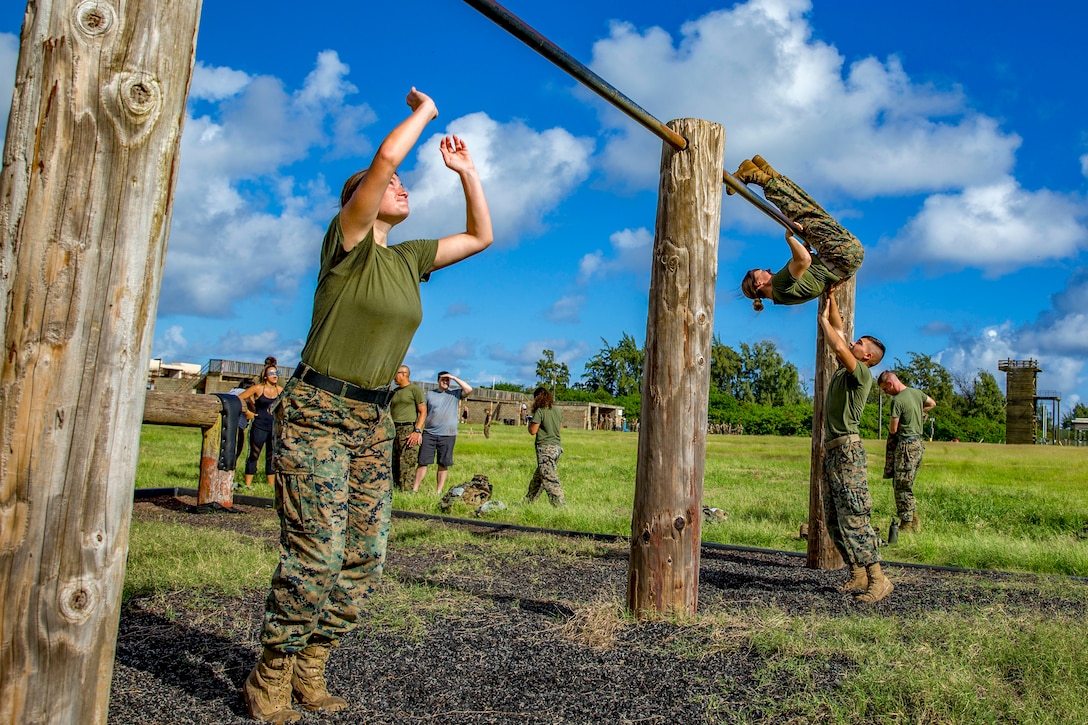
409,411
846,499
909,406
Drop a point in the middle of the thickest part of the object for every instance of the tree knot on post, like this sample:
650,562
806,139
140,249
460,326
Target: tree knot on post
134,102
679,523
78,600
94,17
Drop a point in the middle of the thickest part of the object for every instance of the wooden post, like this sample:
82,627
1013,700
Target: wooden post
663,573
90,164
822,554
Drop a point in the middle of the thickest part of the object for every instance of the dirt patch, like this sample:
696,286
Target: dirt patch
517,637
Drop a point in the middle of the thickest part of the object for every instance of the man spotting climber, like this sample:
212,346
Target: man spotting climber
905,446
846,499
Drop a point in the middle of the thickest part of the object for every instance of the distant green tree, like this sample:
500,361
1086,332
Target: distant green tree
766,378
725,368
1080,410
509,387
929,376
617,370
552,374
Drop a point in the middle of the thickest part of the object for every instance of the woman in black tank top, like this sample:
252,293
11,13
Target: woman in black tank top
257,402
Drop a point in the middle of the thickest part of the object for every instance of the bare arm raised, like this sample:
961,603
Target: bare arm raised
801,259
376,202
477,235
835,333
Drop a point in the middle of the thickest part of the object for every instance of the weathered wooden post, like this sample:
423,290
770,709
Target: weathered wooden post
822,554
666,524
90,163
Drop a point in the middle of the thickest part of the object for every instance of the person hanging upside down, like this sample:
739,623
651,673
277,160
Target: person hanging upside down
806,276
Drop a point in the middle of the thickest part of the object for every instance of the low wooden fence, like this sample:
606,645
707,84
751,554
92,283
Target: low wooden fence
204,412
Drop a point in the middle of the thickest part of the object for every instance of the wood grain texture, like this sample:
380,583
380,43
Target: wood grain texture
666,521
90,163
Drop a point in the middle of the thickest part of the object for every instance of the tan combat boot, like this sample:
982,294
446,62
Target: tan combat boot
749,173
267,691
879,586
913,526
858,581
309,681
765,167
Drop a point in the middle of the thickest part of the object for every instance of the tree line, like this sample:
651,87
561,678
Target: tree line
753,388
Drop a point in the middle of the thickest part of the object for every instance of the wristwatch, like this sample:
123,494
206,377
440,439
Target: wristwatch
416,430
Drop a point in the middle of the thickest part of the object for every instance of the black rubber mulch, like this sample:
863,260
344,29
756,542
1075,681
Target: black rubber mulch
504,651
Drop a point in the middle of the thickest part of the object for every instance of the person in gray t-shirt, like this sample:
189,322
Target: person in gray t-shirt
440,431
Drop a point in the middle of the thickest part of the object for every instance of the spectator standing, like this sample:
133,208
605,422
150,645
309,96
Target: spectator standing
905,446
257,402
487,421
545,423
440,430
409,411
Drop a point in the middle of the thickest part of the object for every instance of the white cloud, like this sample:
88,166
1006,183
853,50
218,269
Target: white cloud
525,173
521,363
998,227
242,226
1084,164
171,344
630,252
566,309
214,84
757,69
1058,340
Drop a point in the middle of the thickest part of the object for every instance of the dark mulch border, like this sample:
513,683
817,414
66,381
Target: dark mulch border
181,658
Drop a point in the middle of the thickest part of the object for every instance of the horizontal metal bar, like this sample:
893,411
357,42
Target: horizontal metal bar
520,30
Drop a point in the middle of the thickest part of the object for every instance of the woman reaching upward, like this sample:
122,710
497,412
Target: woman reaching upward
806,276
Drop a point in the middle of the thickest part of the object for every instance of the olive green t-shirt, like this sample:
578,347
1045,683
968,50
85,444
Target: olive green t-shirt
404,408
551,422
366,307
786,290
907,407
846,396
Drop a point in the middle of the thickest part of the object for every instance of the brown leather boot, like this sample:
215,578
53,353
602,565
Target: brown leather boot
749,173
879,586
858,581
267,691
308,683
765,167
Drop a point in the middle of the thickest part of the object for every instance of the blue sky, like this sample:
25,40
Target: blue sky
949,137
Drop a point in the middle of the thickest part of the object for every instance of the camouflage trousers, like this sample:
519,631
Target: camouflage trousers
908,458
847,504
405,458
839,250
546,475
334,499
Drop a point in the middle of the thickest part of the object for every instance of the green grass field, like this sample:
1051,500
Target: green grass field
986,506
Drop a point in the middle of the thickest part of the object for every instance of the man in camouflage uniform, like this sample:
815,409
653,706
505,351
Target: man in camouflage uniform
409,411
905,446
847,504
